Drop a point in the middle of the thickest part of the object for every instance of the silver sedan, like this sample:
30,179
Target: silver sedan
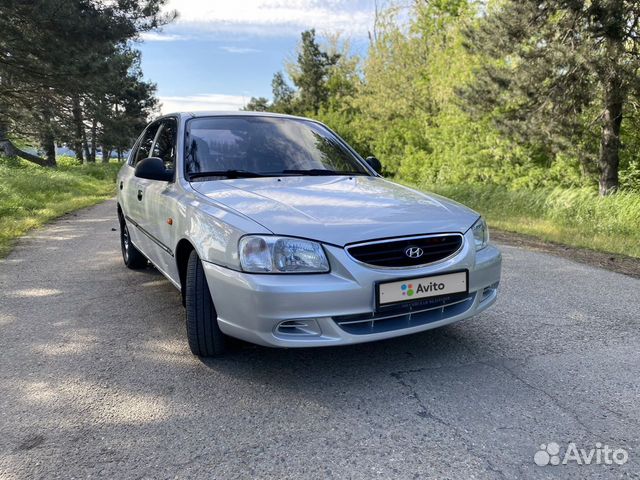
277,232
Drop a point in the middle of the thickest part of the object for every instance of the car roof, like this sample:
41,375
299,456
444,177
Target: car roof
231,113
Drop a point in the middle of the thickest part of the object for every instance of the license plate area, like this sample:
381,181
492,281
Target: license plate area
424,291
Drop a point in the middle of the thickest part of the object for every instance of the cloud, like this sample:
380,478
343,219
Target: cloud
275,17
209,101
239,49
161,37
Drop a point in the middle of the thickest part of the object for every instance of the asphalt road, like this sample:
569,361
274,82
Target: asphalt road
96,379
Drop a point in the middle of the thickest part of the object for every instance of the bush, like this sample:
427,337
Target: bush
572,216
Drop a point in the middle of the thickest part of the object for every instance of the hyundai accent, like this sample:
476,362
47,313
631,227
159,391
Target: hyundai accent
277,232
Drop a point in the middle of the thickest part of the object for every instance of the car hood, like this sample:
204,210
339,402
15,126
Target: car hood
338,209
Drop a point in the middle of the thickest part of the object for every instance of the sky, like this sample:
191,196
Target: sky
220,53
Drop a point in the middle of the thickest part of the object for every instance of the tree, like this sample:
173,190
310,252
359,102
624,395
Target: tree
311,73
54,51
121,107
343,83
550,66
395,99
136,102
283,95
259,104
316,74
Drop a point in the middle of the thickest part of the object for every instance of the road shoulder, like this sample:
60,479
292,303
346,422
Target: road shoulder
609,261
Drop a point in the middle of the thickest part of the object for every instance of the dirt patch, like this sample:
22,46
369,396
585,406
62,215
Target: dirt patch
31,441
609,261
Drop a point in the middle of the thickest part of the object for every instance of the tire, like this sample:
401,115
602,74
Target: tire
205,337
132,257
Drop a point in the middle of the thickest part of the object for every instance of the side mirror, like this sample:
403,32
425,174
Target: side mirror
152,168
375,164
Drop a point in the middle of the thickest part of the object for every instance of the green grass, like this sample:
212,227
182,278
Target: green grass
575,217
31,196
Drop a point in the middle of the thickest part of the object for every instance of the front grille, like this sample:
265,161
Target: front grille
405,316
393,253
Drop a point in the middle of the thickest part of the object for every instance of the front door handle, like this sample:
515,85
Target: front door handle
140,195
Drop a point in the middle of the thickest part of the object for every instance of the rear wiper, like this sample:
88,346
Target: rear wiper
317,171
227,174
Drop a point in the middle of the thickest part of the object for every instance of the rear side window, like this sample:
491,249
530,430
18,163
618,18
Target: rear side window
144,147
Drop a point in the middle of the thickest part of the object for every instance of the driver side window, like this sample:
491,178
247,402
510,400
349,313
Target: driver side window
165,146
144,148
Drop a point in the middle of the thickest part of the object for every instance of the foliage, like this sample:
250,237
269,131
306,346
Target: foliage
310,74
283,95
559,74
575,216
259,104
630,177
63,64
415,102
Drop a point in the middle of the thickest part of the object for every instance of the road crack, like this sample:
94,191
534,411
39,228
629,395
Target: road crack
426,413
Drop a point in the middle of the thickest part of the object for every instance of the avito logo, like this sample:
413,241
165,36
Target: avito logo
409,290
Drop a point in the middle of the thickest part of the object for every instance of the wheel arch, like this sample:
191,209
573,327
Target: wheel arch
182,252
120,212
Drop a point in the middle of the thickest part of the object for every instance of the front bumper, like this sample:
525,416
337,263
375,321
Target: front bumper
253,307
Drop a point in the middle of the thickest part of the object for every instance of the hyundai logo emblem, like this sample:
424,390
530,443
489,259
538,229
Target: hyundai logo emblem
414,252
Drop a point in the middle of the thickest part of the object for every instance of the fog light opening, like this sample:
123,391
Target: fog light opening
488,291
299,328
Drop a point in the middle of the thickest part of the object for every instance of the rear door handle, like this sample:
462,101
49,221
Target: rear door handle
140,195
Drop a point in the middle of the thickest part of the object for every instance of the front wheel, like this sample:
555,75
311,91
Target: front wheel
205,337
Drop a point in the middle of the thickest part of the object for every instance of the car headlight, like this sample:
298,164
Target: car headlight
480,234
271,254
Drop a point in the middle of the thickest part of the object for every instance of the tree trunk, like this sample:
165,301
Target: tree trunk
49,146
47,137
610,140
94,140
106,154
85,147
76,110
10,150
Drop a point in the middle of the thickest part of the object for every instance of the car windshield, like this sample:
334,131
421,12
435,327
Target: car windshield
234,147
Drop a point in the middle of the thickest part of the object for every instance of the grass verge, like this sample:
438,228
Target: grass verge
31,196
574,217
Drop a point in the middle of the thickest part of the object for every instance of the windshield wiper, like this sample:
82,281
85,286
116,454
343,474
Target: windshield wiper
227,174
318,171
